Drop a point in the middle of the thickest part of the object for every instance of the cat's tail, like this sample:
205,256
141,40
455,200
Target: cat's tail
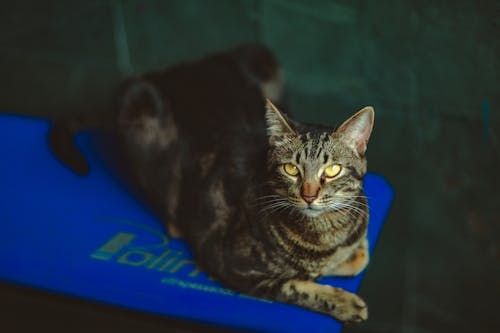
260,66
61,139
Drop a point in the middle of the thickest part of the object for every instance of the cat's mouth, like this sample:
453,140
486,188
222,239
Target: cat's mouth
311,211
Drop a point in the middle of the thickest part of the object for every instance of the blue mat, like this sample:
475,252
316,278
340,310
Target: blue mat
90,238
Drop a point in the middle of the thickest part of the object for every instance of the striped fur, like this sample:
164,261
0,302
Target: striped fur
273,243
207,152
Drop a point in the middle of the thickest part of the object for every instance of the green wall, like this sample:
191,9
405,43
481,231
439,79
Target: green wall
406,58
430,68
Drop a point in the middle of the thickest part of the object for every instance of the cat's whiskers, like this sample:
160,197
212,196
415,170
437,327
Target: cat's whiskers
265,203
355,207
267,198
279,209
275,206
361,207
348,196
366,197
355,212
351,199
278,203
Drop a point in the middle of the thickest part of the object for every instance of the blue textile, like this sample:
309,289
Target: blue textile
91,238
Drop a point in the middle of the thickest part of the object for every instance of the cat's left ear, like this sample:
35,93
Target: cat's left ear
356,130
278,124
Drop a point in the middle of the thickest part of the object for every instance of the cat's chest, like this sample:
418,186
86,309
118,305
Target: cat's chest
311,252
316,267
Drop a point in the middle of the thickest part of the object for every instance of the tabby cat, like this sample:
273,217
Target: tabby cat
267,204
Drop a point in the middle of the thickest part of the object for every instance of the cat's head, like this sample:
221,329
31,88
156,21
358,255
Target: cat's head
317,169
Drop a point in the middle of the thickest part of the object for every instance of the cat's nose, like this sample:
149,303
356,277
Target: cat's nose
308,198
309,192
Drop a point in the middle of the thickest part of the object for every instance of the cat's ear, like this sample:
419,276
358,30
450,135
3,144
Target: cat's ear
356,130
278,126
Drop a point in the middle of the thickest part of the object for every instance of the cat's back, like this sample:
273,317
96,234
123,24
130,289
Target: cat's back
220,96
210,144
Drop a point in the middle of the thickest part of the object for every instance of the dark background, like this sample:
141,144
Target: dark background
430,68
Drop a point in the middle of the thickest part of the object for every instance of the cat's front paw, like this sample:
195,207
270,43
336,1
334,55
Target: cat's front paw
349,307
336,302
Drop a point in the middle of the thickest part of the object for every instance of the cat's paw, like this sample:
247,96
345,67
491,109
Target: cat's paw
336,302
349,307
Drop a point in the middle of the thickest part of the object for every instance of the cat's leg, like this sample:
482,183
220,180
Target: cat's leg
355,263
336,302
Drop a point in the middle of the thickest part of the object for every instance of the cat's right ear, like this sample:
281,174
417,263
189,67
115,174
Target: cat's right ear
278,126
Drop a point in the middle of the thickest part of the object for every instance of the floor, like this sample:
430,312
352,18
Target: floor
432,71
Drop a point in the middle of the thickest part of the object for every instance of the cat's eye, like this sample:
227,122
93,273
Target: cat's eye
291,169
332,170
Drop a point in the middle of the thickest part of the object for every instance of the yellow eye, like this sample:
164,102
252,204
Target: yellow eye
291,169
332,170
